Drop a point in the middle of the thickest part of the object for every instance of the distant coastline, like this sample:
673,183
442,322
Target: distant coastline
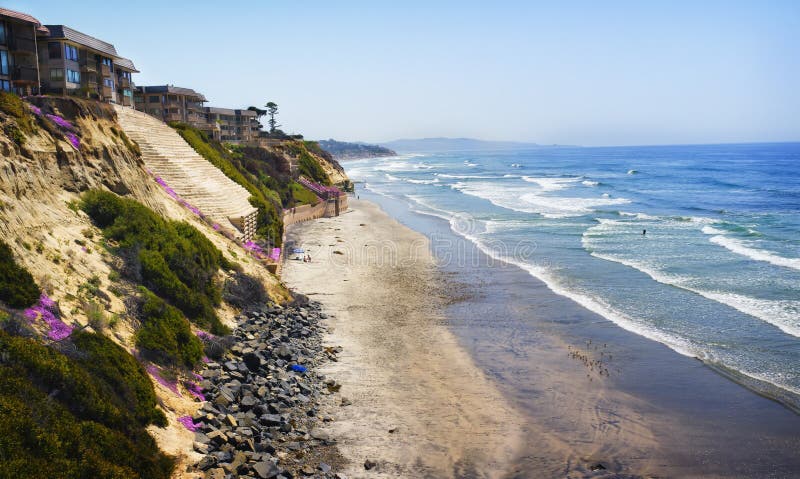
342,150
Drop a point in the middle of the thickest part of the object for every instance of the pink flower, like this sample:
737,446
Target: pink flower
61,122
188,423
74,141
204,335
194,390
156,373
46,310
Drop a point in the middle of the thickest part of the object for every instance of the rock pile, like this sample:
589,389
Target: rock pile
261,415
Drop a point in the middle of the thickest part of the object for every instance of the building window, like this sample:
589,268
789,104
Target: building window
3,62
54,50
108,82
153,99
107,62
73,76
3,32
70,52
57,74
127,92
5,85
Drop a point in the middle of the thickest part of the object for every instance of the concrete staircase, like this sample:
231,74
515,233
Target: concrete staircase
193,178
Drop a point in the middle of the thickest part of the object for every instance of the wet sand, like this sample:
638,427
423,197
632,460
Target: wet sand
583,392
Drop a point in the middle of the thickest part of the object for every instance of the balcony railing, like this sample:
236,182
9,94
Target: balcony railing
88,66
124,82
106,91
21,45
105,70
25,75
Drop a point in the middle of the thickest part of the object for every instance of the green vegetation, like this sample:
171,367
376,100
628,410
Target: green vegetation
309,167
17,287
119,369
272,110
165,334
13,106
171,258
75,417
301,195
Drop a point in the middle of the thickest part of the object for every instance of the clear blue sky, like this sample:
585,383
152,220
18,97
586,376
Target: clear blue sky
569,72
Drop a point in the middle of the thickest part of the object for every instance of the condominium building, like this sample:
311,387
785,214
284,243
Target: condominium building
232,126
19,70
71,62
171,103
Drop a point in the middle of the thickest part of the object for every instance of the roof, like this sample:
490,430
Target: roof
228,111
125,63
24,17
67,33
172,89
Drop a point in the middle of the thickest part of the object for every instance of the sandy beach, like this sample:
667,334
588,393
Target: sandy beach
481,371
420,407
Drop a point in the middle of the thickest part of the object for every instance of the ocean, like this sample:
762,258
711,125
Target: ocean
695,247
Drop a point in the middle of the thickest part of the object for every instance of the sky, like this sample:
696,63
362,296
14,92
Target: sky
560,72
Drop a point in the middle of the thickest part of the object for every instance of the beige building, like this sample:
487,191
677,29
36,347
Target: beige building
73,63
171,103
19,65
231,126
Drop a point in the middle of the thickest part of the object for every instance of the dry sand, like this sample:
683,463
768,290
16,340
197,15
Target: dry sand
401,367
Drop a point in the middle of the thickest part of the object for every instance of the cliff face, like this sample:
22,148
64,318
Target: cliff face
45,164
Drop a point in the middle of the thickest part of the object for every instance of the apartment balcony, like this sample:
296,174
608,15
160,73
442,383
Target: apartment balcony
25,75
106,91
88,66
126,101
173,117
21,45
105,70
123,82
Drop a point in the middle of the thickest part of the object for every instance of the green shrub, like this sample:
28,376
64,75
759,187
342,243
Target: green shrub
122,372
68,418
17,287
165,335
171,258
95,314
303,196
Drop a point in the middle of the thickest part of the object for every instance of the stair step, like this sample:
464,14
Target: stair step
191,176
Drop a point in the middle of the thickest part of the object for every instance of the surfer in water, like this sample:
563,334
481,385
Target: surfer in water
644,232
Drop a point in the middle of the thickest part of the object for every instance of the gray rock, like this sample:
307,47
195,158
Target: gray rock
320,435
369,464
270,420
266,470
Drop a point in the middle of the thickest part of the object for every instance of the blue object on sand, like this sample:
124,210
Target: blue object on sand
299,369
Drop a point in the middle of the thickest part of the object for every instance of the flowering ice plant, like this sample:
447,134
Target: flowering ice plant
156,373
188,423
47,311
